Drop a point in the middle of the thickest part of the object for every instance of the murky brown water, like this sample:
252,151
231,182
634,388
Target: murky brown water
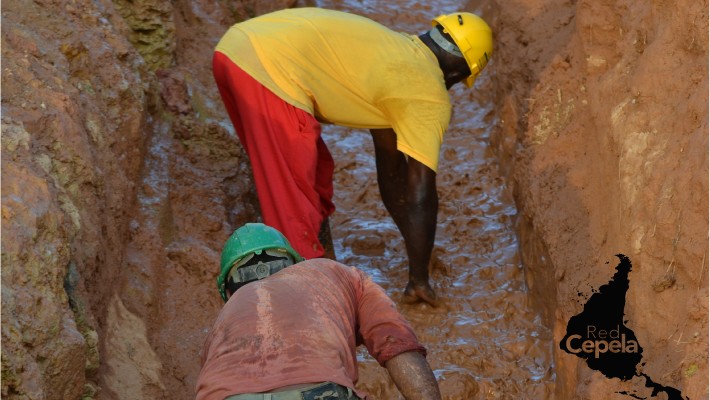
485,342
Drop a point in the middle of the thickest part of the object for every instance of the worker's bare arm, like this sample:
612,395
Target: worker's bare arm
408,190
411,373
391,173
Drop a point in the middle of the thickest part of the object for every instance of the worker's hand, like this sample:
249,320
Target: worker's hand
420,292
411,373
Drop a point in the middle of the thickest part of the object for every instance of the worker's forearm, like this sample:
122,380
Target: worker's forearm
419,232
415,216
413,376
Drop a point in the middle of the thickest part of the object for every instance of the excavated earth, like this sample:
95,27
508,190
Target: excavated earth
122,177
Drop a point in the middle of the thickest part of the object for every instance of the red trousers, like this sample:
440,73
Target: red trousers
293,169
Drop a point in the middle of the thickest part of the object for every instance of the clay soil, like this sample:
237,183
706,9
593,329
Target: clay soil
122,177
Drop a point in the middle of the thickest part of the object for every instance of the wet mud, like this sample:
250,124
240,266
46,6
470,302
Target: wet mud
485,341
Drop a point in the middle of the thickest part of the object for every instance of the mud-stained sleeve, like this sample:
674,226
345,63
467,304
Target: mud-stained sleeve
384,330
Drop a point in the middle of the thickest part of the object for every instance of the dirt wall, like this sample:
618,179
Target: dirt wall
75,106
94,129
604,136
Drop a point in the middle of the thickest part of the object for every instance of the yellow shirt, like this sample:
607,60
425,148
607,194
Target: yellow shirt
347,70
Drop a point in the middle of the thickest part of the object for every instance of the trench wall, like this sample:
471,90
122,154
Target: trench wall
603,136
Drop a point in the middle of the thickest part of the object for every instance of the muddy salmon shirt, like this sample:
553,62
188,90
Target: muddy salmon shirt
301,325
347,70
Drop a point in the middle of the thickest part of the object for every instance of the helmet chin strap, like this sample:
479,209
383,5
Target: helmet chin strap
441,41
260,270
242,273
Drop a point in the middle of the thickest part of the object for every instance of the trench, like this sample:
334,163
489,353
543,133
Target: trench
141,235
486,340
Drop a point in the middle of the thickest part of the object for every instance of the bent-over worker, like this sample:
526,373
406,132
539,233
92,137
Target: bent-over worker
281,74
289,327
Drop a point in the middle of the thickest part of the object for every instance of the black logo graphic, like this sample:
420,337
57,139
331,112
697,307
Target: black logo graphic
599,336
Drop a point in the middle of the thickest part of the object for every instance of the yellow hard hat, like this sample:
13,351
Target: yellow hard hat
473,37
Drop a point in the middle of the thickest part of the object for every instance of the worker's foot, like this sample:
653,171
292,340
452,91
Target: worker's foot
416,293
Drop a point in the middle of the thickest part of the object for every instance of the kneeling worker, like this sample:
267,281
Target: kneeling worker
291,333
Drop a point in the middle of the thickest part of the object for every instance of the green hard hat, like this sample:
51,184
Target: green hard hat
250,238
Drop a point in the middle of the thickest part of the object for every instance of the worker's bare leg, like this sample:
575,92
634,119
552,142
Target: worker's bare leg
326,240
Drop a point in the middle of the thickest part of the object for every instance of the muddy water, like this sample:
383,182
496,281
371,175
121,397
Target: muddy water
485,342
